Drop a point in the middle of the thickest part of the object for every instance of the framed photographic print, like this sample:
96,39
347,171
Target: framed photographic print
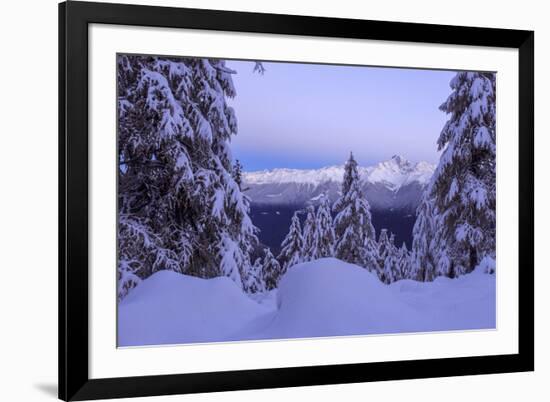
257,200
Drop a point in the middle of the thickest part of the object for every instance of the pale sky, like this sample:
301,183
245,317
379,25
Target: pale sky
310,115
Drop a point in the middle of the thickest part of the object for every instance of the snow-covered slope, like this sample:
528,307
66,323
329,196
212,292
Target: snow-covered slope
326,297
169,308
395,183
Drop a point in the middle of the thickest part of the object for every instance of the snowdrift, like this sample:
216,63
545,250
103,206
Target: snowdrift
326,297
169,308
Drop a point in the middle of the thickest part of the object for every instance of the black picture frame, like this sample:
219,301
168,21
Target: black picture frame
74,18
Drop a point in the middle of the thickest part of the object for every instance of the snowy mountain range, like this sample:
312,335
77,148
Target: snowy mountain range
393,184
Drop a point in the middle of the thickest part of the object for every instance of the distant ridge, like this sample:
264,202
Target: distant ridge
395,183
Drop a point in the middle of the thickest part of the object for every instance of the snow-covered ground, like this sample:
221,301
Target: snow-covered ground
326,297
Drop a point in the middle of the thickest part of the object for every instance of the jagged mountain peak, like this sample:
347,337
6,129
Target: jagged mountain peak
393,173
399,159
394,183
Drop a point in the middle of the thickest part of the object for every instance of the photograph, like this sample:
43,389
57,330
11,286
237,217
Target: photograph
272,200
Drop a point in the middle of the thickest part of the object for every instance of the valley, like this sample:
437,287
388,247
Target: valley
393,189
274,220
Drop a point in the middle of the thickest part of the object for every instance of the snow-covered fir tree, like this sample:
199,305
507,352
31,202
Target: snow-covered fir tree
383,246
394,248
323,235
391,267
271,270
391,264
430,253
423,258
127,279
370,255
180,208
308,233
387,257
353,223
238,173
404,262
254,282
292,245
464,185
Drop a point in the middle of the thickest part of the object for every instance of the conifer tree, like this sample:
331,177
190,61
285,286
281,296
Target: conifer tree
254,282
291,248
323,237
455,225
404,262
127,279
391,267
388,260
179,206
371,257
392,240
424,254
353,223
383,247
238,173
464,185
308,233
271,270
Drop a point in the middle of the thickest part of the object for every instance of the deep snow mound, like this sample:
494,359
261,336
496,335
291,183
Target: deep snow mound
321,298
329,297
171,308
